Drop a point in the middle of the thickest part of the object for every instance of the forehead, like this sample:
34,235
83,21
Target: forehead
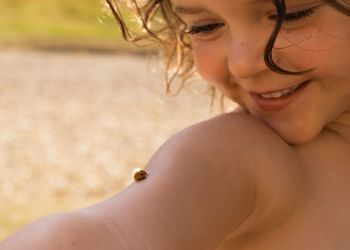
194,2
232,6
200,6
235,2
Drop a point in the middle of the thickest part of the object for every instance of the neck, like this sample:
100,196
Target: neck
341,126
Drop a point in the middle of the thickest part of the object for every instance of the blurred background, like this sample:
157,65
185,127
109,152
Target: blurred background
58,24
79,108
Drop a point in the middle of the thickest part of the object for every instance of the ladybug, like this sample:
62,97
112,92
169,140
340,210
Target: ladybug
140,174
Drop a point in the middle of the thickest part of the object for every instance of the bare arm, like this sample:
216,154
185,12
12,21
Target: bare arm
196,192
200,188
66,231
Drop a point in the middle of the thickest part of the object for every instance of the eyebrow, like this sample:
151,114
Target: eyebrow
196,10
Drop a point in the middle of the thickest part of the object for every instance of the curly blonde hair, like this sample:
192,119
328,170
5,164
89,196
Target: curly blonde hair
158,22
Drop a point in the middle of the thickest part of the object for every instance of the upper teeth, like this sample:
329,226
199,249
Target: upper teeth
281,93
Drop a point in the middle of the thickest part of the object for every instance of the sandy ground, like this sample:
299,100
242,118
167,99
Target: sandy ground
73,126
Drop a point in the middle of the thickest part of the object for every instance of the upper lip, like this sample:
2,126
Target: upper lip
264,92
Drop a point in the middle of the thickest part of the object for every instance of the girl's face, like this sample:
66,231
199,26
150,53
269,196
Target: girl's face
229,38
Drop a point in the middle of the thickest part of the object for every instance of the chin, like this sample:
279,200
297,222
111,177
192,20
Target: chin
294,132
297,136
300,140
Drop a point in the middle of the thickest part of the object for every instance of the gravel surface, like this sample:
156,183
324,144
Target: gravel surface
76,124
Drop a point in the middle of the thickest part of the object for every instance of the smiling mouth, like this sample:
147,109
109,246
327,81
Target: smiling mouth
282,93
278,100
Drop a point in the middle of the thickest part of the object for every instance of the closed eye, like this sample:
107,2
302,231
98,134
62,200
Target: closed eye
204,29
294,16
211,27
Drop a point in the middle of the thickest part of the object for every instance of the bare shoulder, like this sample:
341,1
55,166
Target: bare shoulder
239,134
273,163
69,231
214,174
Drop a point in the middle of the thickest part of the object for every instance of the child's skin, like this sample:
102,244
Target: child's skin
263,178
317,123
233,52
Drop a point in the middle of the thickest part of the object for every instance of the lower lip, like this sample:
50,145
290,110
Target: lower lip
280,103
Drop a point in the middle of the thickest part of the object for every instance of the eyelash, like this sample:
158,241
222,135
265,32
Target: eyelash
207,28
296,15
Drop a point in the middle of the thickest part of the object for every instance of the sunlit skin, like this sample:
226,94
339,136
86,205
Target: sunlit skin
251,179
316,126
230,56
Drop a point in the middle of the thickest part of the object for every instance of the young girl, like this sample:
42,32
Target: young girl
271,175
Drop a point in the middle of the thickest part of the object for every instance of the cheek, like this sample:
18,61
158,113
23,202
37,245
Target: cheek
210,62
317,45
318,51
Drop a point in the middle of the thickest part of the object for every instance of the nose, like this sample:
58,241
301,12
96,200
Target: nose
245,57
